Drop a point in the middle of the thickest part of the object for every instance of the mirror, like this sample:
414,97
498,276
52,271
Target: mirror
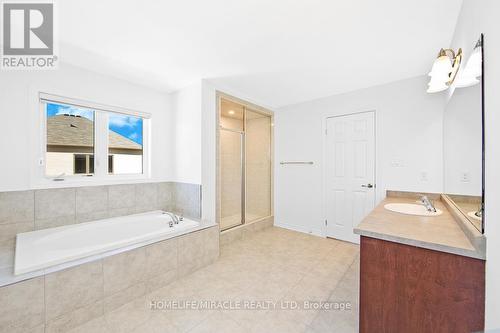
463,138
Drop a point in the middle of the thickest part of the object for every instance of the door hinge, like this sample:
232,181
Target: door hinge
326,222
326,131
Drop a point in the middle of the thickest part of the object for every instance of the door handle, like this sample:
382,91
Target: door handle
367,185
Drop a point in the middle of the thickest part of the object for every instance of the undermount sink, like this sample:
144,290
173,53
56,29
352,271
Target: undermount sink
411,209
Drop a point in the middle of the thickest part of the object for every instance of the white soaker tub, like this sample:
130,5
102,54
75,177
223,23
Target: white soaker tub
45,248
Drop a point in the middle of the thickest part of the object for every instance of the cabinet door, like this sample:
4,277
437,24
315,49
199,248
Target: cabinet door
410,289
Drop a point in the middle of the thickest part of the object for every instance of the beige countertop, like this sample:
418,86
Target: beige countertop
441,233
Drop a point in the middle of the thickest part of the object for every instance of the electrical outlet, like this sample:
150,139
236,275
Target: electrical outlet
423,176
465,177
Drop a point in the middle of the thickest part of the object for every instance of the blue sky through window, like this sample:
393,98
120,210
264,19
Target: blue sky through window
127,126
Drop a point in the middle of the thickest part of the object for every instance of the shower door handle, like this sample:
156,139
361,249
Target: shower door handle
367,185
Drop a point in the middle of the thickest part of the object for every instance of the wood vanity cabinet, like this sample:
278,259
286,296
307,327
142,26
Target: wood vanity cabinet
405,289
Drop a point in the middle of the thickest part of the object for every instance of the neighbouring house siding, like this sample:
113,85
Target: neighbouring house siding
57,163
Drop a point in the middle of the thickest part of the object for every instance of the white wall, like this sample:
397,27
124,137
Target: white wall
186,134
482,17
408,143
19,111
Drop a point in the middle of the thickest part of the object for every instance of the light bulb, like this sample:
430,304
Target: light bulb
441,68
435,86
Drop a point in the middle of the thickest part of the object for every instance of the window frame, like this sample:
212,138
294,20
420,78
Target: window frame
101,152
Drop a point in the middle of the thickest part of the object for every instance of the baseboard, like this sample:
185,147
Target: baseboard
303,229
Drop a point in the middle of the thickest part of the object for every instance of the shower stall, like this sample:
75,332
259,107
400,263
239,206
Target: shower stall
245,163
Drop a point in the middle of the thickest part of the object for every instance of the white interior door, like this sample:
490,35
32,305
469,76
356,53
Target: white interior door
350,173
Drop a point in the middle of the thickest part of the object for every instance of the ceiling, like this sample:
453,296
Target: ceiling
277,52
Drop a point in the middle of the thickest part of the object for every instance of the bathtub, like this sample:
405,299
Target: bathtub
38,250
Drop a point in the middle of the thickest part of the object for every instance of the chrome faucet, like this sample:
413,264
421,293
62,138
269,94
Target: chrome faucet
479,212
427,203
175,218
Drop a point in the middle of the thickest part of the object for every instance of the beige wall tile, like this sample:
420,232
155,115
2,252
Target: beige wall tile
121,196
146,197
91,199
75,318
92,216
22,305
191,246
165,195
187,199
54,203
17,207
54,222
161,257
124,270
70,289
9,231
8,234
121,211
7,251
211,240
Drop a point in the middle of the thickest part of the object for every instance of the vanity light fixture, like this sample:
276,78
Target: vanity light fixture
472,71
444,70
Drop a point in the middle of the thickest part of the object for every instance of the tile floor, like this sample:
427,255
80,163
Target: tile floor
275,266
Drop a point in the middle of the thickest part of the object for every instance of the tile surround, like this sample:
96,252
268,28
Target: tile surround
91,199
17,207
146,197
186,199
53,203
22,305
112,288
23,211
123,270
121,196
161,257
73,288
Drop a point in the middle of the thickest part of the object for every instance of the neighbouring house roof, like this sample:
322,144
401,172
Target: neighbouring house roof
69,133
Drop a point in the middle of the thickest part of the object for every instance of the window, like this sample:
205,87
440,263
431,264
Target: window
70,140
125,144
86,139
83,164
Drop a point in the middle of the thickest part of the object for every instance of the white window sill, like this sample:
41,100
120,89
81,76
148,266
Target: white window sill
80,181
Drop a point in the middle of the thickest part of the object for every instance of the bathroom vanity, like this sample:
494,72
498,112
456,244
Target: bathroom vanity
420,273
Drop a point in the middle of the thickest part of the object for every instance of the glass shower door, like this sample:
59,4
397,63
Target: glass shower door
231,163
245,164
257,165
232,152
